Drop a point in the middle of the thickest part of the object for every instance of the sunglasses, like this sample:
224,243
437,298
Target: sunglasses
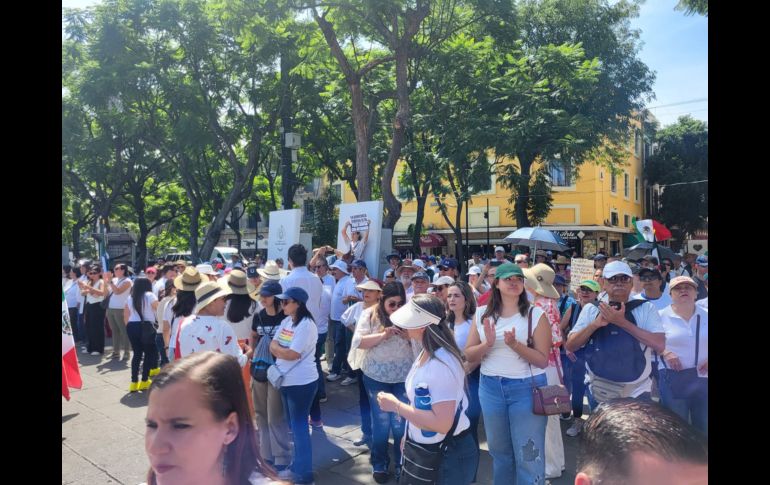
395,304
648,278
585,289
93,272
619,279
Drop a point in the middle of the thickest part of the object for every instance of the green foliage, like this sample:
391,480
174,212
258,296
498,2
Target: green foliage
691,7
539,198
325,219
682,157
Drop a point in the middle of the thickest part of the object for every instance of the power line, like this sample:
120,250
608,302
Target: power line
680,102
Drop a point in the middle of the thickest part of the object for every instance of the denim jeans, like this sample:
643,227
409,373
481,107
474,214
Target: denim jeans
383,423
315,408
150,352
515,436
461,460
695,411
296,402
341,347
159,344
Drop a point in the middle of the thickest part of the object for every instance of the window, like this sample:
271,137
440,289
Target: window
614,183
560,176
336,189
636,189
626,186
614,218
638,144
251,221
308,212
625,220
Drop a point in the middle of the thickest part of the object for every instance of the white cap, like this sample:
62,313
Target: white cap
443,280
499,248
616,268
474,270
340,265
419,262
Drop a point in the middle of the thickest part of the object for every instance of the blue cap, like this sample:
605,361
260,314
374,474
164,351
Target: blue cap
270,288
392,255
449,263
599,256
432,259
702,261
358,263
251,271
295,293
559,280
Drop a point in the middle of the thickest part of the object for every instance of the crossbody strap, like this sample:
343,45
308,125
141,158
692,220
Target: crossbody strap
697,341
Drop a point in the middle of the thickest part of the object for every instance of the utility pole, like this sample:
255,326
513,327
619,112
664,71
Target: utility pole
486,216
467,242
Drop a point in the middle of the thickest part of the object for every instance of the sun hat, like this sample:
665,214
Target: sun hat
507,270
616,268
295,293
206,269
443,280
540,252
188,280
473,270
405,264
681,280
421,275
369,285
236,280
340,265
593,285
562,260
539,279
271,271
412,316
208,292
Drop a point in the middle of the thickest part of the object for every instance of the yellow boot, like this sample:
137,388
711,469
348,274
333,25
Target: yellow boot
133,387
144,385
154,372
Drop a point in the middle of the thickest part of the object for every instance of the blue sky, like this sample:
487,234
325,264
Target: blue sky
675,47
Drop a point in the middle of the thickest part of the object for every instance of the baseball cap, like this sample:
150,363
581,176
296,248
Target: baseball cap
443,280
499,248
616,268
295,293
270,288
702,261
422,275
506,270
251,271
680,280
449,263
392,255
358,263
473,270
592,285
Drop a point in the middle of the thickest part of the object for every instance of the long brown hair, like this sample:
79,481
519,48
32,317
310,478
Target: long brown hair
470,303
437,336
219,376
394,288
495,305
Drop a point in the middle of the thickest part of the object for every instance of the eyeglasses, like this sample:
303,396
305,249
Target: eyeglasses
619,279
648,278
395,304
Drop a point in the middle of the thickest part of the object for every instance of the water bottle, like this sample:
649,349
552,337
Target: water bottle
422,401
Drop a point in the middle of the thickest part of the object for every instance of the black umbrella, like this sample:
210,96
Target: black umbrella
644,248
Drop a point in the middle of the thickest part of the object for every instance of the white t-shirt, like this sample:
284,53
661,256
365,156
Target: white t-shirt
148,314
168,315
445,378
388,361
647,318
242,329
502,361
322,319
118,300
301,277
158,286
93,298
208,332
71,293
660,303
704,303
461,333
338,308
160,313
680,336
301,339
329,280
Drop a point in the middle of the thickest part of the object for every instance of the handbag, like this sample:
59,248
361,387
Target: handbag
276,377
547,400
105,303
421,462
686,384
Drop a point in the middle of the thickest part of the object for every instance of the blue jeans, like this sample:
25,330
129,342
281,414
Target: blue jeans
342,339
383,423
315,408
296,403
159,344
695,411
461,460
515,436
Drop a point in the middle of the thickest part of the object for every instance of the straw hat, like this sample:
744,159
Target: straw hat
188,280
236,280
539,279
208,292
369,285
271,271
405,264
562,260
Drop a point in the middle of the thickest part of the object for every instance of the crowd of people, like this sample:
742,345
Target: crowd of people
432,351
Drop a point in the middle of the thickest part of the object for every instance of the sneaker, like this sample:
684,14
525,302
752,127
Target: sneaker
565,416
95,353
154,372
576,427
133,387
348,381
333,377
363,440
144,385
381,477
323,399
316,424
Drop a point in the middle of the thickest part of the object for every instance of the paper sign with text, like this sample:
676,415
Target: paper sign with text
580,269
359,222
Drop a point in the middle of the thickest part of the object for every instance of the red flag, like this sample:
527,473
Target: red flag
661,232
70,371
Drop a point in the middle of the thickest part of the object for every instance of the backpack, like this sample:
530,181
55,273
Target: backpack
614,354
262,358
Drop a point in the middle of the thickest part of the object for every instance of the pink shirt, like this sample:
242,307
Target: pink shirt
548,305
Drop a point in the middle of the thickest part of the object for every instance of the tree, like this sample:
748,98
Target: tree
691,7
325,220
680,165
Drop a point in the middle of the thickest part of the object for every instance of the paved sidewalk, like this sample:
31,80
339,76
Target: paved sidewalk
103,433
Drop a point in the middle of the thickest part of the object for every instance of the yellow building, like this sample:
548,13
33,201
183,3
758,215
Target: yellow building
590,213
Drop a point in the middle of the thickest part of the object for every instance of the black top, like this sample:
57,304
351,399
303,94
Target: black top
262,319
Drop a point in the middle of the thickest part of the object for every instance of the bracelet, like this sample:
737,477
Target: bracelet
398,409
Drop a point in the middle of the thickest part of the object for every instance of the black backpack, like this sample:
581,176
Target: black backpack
614,354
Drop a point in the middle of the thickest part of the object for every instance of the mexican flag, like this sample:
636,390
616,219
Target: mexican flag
70,372
651,230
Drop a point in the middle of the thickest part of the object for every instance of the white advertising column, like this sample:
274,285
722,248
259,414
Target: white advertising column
284,231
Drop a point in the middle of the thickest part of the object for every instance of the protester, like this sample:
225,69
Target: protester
207,271
341,346
600,260
404,273
699,276
356,241
499,340
637,442
95,292
181,307
120,288
652,288
420,282
168,297
139,312
85,268
522,260
294,348
687,337
198,426
393,259
301,277
385,356
561,267
71,296
539,279
473,275
439,367
268,404
500,254
240,308
440,287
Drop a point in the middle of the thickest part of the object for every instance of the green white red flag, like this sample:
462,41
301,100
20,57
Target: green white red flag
70,371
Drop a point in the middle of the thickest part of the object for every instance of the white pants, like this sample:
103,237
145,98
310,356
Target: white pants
554,446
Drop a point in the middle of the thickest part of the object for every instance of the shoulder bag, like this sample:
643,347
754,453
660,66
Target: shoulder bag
421,462
262,359
547,400
686,384
276,377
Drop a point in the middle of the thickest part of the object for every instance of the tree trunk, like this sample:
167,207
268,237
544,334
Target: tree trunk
522,199
141,247
459,255
392,205
360,119
195,214
215,230
420,215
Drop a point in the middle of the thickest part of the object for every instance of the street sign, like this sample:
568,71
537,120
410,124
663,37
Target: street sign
581,234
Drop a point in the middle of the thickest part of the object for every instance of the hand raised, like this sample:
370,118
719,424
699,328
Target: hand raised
510,338
489,332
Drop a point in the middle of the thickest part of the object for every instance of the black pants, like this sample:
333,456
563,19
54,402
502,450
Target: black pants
73,312
94,315
148,351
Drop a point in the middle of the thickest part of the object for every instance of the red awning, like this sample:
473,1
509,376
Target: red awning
432,241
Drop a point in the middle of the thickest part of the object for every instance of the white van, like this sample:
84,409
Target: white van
223,253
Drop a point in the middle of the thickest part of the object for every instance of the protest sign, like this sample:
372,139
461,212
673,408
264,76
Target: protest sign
580,269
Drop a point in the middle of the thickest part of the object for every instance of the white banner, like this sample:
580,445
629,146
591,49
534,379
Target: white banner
580,269
284,231
358,215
